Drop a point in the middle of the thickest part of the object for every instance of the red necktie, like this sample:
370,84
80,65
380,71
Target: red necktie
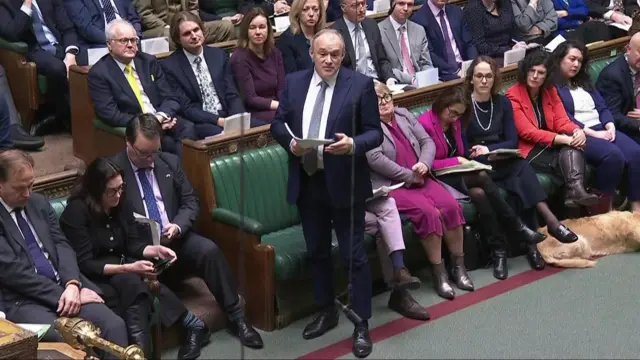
408,64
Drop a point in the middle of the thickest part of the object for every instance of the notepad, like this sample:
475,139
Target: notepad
155,46
237,123
465,67
381,6
513,56
553,44
427,77
282,23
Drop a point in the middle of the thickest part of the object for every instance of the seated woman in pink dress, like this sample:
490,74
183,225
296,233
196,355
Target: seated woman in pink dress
406,155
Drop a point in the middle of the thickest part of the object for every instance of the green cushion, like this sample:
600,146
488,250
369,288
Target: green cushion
265,187
419,110
120,131
597,65
42,84
18,47
58,205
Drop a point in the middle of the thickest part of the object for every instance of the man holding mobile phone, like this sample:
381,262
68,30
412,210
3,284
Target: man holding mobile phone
157,187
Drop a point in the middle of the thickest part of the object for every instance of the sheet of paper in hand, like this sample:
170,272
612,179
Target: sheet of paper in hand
468,166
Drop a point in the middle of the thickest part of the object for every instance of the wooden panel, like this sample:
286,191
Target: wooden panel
82,114
23,81
57,185
48,350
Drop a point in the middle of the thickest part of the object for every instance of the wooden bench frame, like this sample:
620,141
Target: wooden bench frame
22,77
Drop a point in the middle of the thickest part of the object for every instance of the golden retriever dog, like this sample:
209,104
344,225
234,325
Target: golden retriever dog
611,233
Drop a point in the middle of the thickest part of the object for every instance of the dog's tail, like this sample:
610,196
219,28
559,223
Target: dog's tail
572,263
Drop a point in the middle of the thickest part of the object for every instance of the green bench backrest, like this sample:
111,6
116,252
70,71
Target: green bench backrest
58,205
265,186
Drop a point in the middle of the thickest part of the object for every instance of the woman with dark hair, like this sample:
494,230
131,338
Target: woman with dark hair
102,230
551,142
606,149
258,66
406,156
492,27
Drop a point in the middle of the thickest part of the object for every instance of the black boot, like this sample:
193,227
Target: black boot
571,162
534,257
137,319
459,273
499,261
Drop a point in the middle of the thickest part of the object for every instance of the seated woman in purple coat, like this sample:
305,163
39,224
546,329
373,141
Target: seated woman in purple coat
406,155
514,175
258,67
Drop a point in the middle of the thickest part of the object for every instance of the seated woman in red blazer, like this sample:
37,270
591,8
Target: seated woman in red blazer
553,144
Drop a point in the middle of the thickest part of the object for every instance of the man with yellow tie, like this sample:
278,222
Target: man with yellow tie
127,83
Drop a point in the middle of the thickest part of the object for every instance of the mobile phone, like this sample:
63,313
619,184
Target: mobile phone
162,265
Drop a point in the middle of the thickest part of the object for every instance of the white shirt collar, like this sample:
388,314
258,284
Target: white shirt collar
135,168
351,26
123,65
6,206
436,10
192,57
396,25
316,79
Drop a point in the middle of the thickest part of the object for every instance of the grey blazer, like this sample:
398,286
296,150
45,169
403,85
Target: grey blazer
382,160
544,17
418,46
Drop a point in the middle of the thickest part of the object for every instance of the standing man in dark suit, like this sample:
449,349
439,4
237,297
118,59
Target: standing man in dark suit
331,102
91,17
128,83
53,44
619,85
39,276
364,51
449,40
203,74
157,188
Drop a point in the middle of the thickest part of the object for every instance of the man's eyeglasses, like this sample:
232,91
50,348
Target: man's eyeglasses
113,191
126,41
144,154
384,99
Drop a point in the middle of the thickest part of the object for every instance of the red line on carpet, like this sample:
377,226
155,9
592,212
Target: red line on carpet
437,311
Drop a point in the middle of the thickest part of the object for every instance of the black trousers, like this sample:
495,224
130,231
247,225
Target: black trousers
201,257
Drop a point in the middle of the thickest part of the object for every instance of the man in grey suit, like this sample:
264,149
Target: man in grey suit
405,43
535,20
39,276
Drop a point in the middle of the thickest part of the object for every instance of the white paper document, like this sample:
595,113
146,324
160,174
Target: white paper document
427,77
513,56
308,143
154,226
96,54
624,27
397,88
464,67
381,6
553,44
155,46
39,329
385,190
236,123
281,23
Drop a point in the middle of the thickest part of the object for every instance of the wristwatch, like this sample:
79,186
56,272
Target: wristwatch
73,282
73,51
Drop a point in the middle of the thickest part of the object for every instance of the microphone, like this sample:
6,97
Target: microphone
349,313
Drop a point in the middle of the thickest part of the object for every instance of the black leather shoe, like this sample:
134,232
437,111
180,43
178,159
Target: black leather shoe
248,336
23,141
45,126
527,235
499,260
323,322
535,258
193,343
563,234
362,345
404,304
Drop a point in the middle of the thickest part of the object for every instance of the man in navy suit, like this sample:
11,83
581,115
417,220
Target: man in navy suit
91,17
332,103
203,74
127,83
53,44
448,47
618,83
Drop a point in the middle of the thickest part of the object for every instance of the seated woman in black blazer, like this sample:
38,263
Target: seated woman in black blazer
104,235
307,17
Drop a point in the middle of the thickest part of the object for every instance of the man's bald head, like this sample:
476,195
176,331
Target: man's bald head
633,52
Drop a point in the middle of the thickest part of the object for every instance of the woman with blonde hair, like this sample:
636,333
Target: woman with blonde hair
307,17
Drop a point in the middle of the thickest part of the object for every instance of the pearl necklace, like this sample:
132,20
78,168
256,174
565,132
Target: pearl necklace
476,106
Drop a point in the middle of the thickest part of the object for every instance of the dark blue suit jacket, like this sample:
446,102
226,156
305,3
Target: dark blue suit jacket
601,105
351,108
114,100
295,51
461,34
334,11
88,18
615,84
180,74
5,124
15,25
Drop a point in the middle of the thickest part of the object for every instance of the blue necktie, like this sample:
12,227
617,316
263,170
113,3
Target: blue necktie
149,198
43,266
109,11
38,28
